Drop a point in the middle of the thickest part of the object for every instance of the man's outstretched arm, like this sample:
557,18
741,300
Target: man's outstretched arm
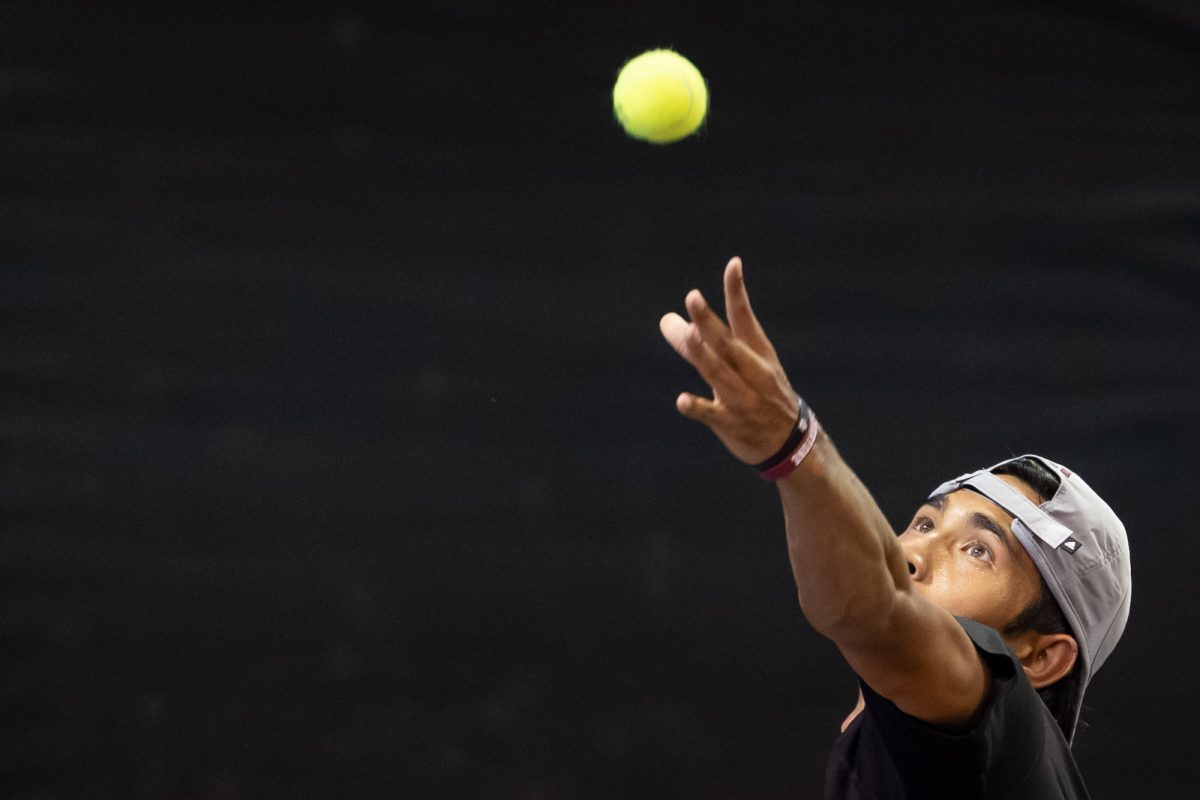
851,574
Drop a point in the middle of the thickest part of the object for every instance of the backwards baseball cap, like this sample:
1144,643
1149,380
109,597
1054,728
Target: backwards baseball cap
1082,552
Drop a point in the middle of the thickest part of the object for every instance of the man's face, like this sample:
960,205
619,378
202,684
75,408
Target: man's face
963,556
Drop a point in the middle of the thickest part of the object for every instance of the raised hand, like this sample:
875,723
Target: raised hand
753,407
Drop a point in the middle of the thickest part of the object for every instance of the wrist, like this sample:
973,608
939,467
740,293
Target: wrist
799,444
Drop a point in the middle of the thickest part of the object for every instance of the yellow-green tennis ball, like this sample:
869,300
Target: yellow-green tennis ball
660,97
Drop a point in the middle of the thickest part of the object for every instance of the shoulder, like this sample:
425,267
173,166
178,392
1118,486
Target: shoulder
1013,750
920,657
1007,684
1011,731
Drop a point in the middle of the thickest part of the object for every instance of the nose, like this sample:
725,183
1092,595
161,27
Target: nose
916,553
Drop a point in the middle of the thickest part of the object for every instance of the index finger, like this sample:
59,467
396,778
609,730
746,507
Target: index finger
717,335
742,320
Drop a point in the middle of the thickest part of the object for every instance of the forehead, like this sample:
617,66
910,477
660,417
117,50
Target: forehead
967,493
966,500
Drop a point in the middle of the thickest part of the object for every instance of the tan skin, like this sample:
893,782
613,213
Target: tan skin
887,602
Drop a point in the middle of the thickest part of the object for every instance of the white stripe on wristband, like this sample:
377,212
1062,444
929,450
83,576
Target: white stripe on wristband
788,464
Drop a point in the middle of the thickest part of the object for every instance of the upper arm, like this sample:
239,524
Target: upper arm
920,658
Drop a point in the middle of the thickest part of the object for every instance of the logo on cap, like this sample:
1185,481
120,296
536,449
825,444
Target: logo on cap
1071,545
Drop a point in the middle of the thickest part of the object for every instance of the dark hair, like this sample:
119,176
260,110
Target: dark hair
1044,614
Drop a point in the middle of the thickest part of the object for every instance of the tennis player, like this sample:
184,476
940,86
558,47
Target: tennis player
974,632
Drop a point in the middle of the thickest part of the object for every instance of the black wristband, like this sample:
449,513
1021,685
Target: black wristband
803,420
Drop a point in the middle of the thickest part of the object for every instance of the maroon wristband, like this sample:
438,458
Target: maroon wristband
794,458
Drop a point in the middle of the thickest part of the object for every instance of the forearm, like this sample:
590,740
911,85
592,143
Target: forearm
846,561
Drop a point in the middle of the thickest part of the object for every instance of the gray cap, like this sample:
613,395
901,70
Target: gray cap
1081,549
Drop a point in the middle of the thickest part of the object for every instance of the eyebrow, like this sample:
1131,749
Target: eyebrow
981,520
937,502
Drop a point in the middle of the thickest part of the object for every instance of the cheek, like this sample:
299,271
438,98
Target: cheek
970,592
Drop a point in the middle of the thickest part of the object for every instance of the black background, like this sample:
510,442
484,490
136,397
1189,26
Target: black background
338,454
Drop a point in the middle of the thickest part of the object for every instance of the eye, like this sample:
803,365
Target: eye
922,524
980,551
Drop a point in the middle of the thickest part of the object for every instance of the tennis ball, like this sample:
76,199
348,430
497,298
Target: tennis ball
660,97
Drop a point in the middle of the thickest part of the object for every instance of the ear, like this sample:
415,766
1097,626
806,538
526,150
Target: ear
1048,657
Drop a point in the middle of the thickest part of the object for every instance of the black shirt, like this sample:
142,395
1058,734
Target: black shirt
1016,751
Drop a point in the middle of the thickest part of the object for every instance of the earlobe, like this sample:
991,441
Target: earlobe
1050,658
